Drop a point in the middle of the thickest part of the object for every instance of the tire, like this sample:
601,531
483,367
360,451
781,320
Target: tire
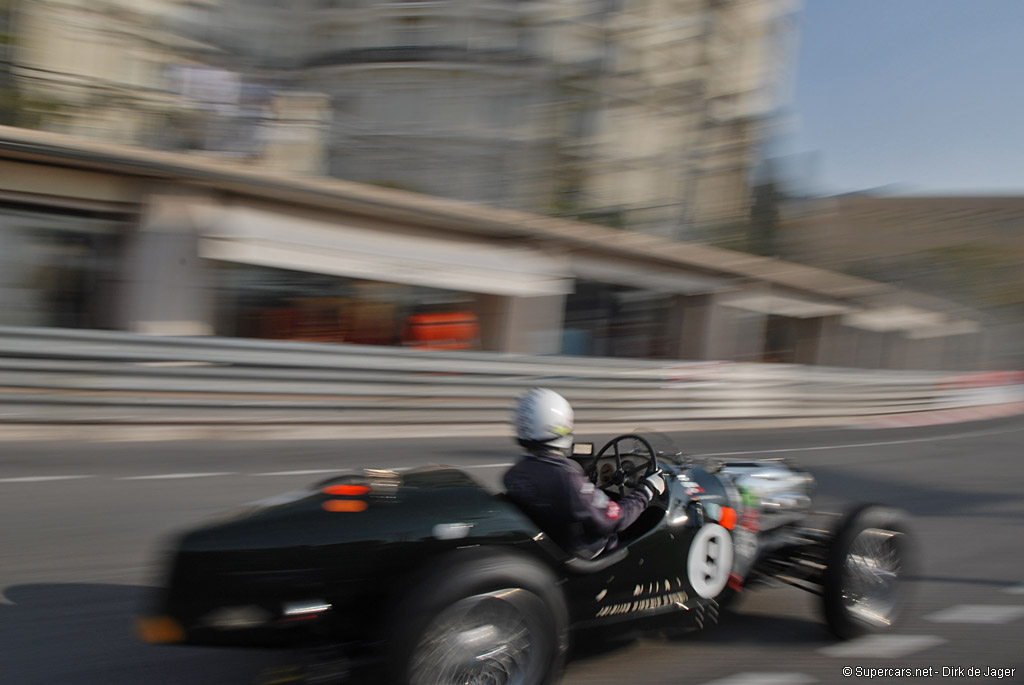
864,584
492,617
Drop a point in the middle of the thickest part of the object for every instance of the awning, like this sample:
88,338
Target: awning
914,322
784,305
895,318
262,238
647,277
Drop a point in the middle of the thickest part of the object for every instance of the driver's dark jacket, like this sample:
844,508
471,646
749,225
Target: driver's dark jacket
553,491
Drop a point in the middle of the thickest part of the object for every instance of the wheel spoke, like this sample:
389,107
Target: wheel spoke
481,640
872,575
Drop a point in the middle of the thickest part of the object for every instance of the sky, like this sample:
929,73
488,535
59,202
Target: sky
908,96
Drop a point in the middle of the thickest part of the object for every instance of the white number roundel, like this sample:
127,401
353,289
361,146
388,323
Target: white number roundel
709,562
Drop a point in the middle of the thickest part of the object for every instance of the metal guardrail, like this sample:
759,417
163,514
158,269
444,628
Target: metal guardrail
61,376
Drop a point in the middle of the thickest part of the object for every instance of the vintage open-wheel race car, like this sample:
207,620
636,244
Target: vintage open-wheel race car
424,576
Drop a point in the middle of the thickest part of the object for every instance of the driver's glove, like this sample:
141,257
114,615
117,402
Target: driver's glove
653,484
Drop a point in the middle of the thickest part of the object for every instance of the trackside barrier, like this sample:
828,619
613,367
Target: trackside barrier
61,376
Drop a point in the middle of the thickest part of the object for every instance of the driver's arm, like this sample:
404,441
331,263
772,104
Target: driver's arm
599,515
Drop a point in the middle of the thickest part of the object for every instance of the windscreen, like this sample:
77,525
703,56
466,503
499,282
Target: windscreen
664,445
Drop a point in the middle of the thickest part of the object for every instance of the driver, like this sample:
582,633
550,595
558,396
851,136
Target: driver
552,489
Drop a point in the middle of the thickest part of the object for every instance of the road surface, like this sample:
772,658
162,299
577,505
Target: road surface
82,525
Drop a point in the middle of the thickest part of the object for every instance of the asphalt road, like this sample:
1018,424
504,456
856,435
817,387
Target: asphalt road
82,526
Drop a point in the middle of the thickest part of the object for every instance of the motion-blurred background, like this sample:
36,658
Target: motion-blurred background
383,219
616,178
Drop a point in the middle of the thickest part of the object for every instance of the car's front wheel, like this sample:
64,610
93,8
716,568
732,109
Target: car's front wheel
864,584
493,620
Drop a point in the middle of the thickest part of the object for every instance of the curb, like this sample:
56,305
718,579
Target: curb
944,416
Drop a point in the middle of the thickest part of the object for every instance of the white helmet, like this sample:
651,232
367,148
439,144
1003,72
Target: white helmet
543,418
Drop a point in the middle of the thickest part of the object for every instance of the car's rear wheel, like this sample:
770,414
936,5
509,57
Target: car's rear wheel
494,620
864,583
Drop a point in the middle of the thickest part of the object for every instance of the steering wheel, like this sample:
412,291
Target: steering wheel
626,476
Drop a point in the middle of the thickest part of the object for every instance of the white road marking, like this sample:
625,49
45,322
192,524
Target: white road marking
165,476
307,472
764,679
955,436
40,479
882,646
1015,590
168,476
977,613
310,472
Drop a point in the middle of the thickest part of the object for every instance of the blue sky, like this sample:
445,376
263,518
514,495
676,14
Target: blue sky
919,96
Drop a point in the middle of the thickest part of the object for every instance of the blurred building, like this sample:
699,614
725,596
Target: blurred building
139,72
636,114
103,236
100,69
640,114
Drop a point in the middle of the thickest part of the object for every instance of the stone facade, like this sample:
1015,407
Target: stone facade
639,114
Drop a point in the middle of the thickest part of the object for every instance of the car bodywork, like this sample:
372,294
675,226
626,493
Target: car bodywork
337,562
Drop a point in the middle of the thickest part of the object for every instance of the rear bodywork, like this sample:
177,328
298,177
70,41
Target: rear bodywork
327,561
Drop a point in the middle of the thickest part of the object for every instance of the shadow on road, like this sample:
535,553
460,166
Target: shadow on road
737,629
732,629
84,634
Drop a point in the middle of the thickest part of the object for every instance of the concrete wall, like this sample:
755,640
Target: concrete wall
708,331
166,289
521,325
